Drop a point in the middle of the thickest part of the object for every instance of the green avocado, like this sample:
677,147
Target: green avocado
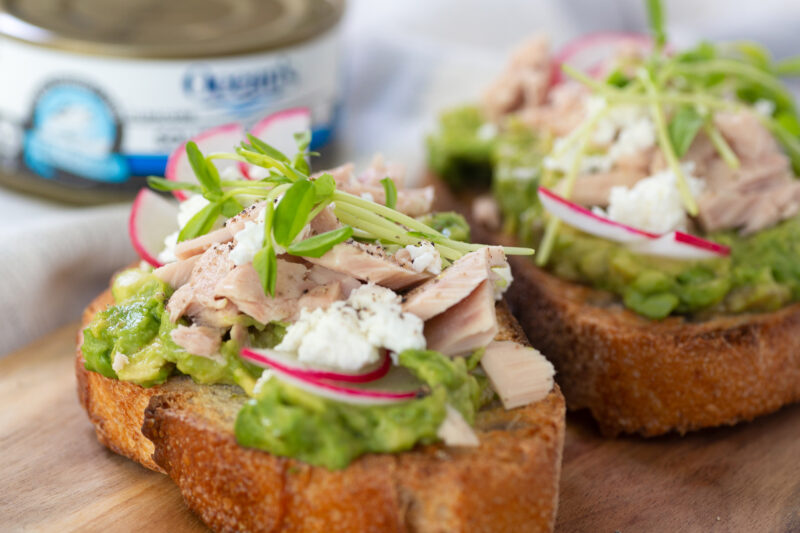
449,223
138,328
761,274
285,420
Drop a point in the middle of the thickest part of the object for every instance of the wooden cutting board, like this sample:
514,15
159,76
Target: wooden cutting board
56,477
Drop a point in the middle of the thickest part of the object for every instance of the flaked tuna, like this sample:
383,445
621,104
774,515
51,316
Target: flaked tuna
198,340
519,375
198,245
176,273
454,284
369,262
466,326
197,298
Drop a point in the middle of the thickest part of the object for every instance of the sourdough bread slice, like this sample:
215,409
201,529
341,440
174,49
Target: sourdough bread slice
508,483
651,377
637,375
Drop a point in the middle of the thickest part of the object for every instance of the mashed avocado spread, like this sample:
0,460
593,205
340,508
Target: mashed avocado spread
285,420
761,274
136,332
279,418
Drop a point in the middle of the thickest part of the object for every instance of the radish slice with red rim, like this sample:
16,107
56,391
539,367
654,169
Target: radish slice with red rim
223,138
676,244
585,220
353,393
679,245
591,52
274,359
152,218
278,130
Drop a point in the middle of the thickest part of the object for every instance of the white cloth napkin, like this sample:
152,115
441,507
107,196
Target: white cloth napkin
405,62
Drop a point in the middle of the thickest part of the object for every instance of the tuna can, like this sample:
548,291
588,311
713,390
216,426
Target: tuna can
96,93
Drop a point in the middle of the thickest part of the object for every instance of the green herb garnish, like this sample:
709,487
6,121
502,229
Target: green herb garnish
293,198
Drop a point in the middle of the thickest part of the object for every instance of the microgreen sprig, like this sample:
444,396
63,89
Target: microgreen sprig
682,93
292,200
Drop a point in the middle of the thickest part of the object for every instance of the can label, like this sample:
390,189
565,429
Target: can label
72,118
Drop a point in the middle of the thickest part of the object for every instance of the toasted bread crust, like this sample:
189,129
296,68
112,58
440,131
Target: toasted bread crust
644,376
651,377
509,483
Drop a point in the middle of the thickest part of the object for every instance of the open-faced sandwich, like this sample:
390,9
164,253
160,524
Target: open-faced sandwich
660,189
319,352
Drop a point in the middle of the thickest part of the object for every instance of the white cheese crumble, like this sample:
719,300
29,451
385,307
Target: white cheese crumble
120,361
654,203
625,130
501,278
367,196
250,239
425,256
347,335
186,210
764,107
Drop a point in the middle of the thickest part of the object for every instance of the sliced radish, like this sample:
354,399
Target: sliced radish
583,219
152,218
274,359
278,130
591,52
676,244
679,245
220,139
354,393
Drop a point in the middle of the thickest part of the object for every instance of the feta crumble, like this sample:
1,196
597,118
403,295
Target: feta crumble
501,278
120,361
654,203
625,130
186,210
347,335
425,256
250,239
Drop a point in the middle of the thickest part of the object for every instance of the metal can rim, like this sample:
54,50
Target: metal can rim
315,26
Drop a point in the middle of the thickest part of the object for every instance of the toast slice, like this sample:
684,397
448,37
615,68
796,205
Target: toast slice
508,483
645,376
651,377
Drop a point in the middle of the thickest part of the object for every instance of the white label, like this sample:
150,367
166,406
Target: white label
64,115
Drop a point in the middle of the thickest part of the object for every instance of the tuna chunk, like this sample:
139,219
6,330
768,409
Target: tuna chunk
198,340
761,193
198,245
748,138
297,287
325,221
323,276
595,189
243,287
176,273
249,214
197,298
455,431
413,202
453,285
524,82
518,374
486,212
465,327
369,262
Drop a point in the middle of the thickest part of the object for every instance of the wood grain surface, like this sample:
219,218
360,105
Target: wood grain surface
56,477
